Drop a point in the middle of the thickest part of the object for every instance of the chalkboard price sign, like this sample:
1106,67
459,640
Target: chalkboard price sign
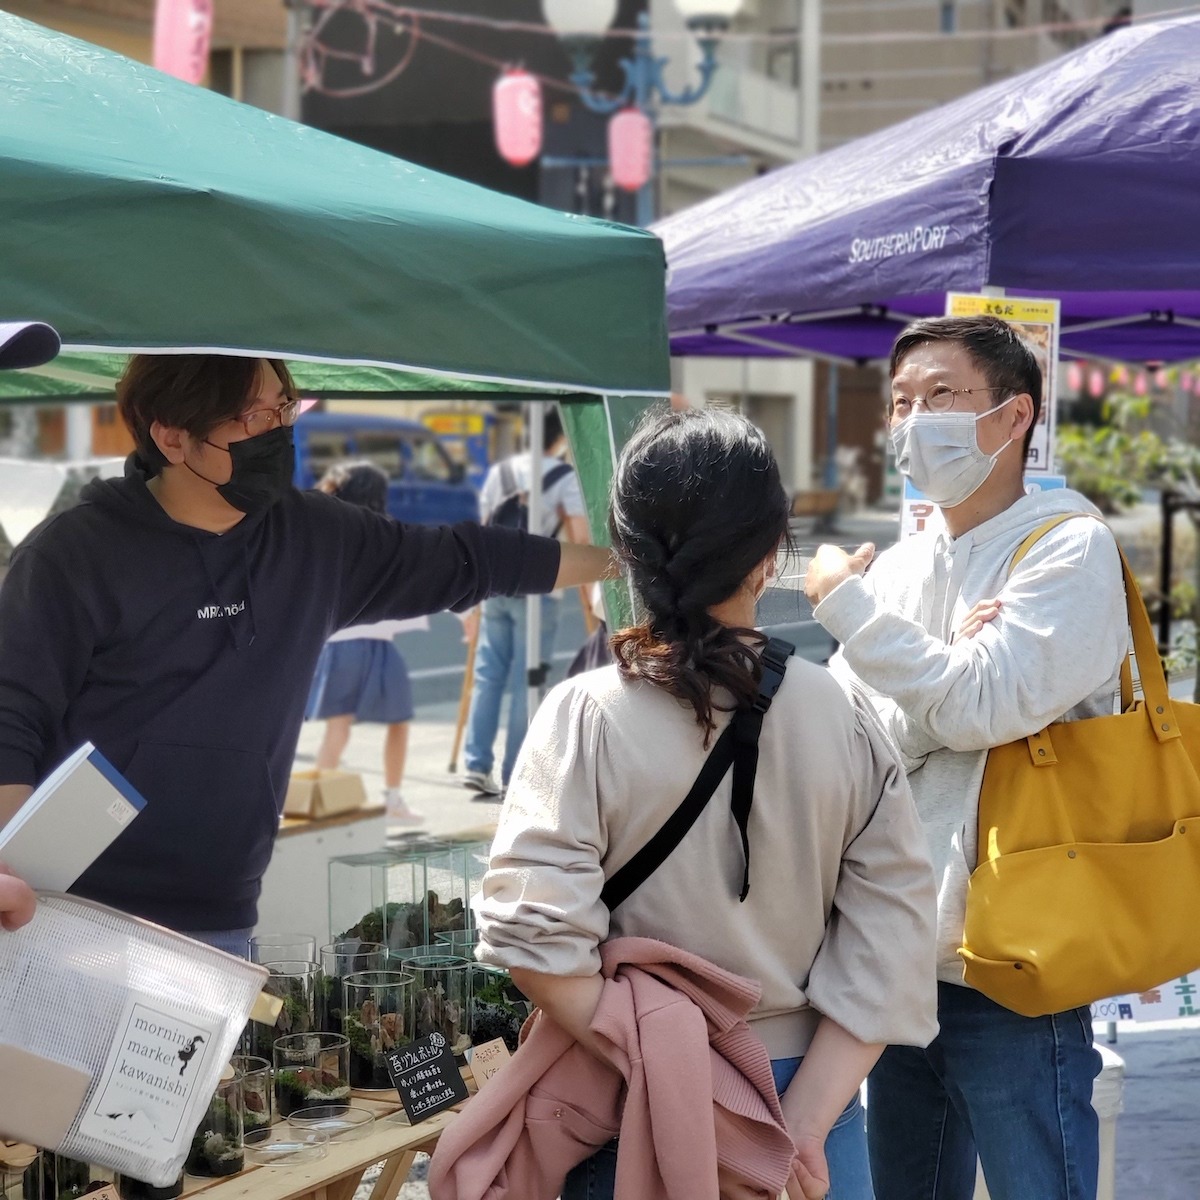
427,1077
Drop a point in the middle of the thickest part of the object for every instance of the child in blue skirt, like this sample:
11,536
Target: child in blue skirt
361,675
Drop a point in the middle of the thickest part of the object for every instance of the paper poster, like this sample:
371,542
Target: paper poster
1170,1002
918,514
146,1095
1038,322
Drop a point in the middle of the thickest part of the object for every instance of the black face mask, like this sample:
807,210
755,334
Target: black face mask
263,467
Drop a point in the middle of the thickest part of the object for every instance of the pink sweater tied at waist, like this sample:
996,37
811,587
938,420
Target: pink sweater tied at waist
686,1085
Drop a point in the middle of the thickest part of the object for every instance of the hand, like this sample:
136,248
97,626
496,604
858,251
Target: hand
17,901
810,1172
976,619
831,565
470,624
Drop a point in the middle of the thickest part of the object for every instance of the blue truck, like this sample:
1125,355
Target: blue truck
425,487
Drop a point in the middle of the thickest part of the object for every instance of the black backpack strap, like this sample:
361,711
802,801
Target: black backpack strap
738,738
551,477
747,727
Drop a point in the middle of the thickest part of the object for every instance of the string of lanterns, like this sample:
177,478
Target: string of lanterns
1097,380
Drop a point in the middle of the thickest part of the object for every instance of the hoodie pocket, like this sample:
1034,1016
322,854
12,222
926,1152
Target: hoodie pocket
210,818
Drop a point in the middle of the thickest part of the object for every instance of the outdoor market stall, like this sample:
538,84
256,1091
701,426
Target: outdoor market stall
141,214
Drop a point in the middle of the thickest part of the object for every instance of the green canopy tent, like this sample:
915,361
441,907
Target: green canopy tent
139,213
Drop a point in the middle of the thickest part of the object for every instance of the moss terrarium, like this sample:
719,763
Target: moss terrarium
310,1069
296,985
216,1148
378,1018
441,998
498,1007
65,1178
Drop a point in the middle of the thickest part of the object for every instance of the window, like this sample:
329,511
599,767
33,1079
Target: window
324,449
406,456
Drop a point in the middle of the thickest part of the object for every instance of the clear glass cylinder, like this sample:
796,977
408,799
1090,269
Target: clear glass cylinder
217,1145
281,947
20,1172
256,1090
310,1068
441,997
338,960
378,1017
68,1178
295,983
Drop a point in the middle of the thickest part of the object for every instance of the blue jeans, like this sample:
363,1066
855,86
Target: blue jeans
232,941
500,668
1016,1091
845,1151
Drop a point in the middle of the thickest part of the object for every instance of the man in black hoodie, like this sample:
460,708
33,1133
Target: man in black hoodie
175,617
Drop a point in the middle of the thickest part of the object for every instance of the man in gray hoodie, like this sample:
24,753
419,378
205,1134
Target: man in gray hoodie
959,655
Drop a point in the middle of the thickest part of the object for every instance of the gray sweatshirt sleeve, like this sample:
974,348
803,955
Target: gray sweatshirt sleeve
540,907
875,971
1058,639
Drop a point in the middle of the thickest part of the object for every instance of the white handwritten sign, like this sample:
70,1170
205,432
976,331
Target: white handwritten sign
487,1059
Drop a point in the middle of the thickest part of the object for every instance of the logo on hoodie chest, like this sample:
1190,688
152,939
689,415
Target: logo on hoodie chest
209,611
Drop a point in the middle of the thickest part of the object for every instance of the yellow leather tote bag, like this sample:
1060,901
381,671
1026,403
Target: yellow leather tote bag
1088,875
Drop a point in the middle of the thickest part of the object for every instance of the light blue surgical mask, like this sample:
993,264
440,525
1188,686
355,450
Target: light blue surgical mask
939,452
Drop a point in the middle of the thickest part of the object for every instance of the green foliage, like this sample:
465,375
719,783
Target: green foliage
1112,463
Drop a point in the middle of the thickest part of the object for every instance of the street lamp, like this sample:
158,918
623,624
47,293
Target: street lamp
631,135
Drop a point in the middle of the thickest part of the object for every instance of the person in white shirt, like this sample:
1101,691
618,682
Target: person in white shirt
962,652
500,654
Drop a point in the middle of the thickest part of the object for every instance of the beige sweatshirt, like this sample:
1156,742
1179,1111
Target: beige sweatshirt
841,911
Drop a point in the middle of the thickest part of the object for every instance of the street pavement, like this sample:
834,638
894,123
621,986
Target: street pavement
1158,1132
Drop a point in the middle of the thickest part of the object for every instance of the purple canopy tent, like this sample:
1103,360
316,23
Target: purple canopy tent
1078,180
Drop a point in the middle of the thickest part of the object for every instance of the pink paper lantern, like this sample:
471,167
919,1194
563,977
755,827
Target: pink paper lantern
1074,377
517,116
1185,381
1096,383
1141,385
630,149
1162,379
182,35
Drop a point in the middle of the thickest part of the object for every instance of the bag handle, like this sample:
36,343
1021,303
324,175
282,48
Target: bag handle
1159,710
740,736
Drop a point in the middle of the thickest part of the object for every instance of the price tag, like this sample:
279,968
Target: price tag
487,1059
427,1077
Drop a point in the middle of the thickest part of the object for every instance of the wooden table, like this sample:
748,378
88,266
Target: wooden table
338,1175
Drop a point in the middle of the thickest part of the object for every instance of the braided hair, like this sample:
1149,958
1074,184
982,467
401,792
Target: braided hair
697,504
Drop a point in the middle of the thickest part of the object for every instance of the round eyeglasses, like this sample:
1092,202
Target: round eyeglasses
263,420
937,399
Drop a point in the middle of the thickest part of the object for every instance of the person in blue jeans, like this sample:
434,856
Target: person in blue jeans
836,925
961,651
500,653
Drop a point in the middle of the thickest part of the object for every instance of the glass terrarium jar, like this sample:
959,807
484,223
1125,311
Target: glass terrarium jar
20,1171
256,1090
68,1178
441,997
281,947
498,1008
310,1068
217,1147
338,960
458,941
378,1017
378,897
136,1189
295,983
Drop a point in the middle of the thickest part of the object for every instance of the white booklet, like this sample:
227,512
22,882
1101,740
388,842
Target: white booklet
69,821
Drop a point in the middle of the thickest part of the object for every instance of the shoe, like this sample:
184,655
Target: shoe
400,814
483,782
